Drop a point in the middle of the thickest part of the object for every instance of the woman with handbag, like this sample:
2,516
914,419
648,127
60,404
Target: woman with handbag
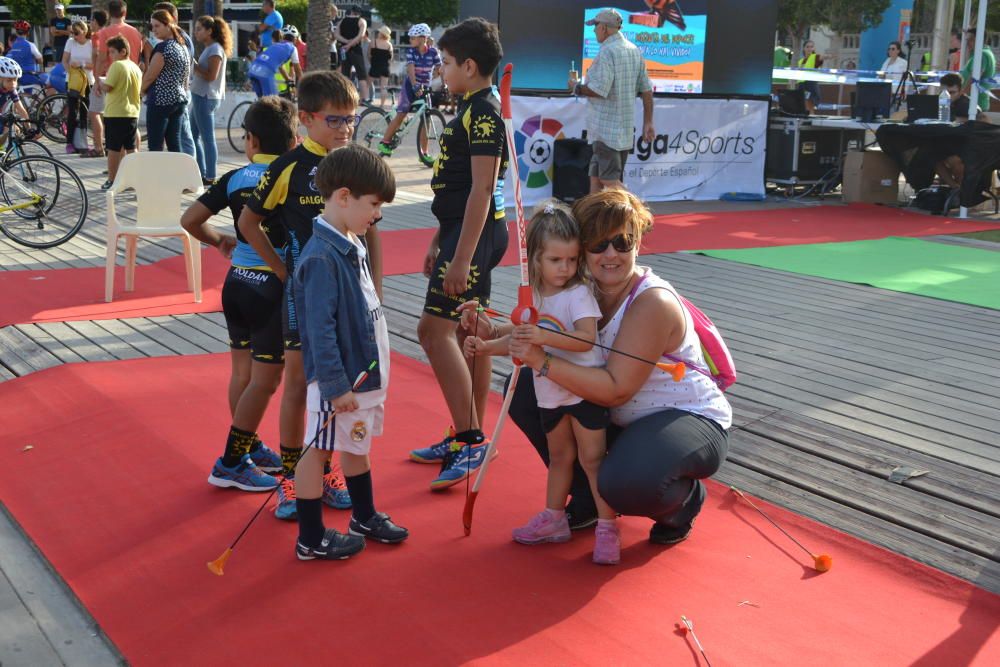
78,61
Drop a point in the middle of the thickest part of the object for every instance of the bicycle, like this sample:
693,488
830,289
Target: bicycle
47,198
51,113
235,132
16,140
430,128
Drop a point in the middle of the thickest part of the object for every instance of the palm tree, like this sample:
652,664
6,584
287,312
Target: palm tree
318,53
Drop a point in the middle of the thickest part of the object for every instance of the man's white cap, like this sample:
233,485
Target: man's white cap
58,6
608,17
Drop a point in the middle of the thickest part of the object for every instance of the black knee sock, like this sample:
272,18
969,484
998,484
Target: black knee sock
289,457
362,501
311,528
237,444
473,436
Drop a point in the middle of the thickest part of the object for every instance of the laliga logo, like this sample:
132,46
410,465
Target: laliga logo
533,142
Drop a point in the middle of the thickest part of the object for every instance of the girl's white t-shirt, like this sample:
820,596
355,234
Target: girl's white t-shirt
694,393
559,312
81,55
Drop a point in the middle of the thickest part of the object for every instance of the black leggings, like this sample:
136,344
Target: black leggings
654,465
76,115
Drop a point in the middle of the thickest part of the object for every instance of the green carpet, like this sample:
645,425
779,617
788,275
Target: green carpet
956,273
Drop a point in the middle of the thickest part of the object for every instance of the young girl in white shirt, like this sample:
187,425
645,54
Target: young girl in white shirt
575,428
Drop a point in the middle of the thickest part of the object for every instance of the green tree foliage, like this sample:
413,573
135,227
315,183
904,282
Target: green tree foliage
408,12
295,12
795,16
32,11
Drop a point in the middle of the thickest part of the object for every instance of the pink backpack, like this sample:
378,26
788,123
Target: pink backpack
721,368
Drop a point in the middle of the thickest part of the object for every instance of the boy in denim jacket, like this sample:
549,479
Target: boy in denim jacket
343,331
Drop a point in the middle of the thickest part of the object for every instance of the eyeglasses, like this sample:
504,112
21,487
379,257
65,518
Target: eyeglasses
621,243
335,122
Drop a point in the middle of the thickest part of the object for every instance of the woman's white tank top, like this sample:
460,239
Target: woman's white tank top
695,393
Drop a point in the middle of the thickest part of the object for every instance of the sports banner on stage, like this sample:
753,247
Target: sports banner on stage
703,148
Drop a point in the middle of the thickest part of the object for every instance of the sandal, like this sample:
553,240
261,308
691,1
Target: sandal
92,152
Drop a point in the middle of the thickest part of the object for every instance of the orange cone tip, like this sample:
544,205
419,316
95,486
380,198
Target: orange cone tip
218,565
823,562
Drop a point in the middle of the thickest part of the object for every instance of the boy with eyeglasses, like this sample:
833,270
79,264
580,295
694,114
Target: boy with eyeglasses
287,196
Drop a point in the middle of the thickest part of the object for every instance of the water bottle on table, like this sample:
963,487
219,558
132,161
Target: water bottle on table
944,107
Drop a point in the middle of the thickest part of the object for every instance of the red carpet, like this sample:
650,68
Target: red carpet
405,249
113,492
58,295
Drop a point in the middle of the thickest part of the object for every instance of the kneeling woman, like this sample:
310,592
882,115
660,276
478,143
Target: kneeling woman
665,436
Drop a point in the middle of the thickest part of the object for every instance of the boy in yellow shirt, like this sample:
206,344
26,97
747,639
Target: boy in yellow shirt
121,109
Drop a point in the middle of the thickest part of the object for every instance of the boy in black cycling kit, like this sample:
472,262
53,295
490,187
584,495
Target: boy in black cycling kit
288,196
251,299
471,240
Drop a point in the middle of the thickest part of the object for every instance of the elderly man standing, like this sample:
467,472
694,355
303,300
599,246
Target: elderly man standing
615,77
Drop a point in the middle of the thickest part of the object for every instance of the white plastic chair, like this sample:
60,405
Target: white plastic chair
158,179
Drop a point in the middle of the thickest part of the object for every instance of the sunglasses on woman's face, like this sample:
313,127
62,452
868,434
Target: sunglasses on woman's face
621,243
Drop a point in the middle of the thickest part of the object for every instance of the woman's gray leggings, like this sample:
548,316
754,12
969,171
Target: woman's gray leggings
654,465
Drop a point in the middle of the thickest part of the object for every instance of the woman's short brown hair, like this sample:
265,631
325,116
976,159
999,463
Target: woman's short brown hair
605,213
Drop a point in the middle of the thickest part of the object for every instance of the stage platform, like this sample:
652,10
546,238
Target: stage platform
840,385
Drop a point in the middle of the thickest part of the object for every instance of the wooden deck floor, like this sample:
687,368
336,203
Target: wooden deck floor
840,385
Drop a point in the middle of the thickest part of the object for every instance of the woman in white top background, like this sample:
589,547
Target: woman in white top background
664,436
78,61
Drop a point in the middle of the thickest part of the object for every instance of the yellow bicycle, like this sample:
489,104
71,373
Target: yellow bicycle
42,201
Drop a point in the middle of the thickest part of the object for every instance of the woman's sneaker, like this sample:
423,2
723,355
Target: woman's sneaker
335,493
285,509
266,459
244,476
334,546
543,527
607,544
380,527
436,452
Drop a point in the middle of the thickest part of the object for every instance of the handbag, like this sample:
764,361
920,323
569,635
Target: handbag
77,80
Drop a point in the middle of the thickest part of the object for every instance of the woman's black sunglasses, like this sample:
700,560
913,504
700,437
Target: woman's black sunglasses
621,243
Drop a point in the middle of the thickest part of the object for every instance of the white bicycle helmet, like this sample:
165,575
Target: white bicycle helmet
419,30
9,68
290,31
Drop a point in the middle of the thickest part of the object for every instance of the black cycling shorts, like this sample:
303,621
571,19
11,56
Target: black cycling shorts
489,252
251,302
289,319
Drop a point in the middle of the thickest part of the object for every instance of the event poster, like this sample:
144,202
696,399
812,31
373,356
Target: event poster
672,42
703,148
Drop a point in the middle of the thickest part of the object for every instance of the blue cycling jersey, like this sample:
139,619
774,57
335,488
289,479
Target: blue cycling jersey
273,57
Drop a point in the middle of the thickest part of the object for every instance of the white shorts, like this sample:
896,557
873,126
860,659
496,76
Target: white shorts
350,432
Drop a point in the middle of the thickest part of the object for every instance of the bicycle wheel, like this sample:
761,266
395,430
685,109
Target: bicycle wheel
371,127
234,130
50,114
51,202
429,136
22,148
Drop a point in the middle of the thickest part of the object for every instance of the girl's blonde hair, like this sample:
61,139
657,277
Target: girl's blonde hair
552,220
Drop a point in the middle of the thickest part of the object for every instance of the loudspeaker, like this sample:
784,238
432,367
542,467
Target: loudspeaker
570,166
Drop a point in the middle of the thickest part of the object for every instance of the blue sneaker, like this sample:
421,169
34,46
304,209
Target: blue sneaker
460,465
335,493
435,453
285,509
244,475
266,459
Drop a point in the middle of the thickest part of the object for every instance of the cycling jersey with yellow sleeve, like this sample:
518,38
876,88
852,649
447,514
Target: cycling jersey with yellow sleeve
287,196
477,130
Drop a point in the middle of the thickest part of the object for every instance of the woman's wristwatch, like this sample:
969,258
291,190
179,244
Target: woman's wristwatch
544,370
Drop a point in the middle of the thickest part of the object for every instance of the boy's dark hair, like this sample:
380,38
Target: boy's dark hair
116,8
951,79
474,39
168,7
357,168
322,87
100,17
273,121
118,43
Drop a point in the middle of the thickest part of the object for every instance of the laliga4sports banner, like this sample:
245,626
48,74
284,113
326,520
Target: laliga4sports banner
703,149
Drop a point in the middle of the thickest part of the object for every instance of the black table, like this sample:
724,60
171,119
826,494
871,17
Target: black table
917,148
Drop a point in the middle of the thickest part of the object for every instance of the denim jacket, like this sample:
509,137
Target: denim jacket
338,337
